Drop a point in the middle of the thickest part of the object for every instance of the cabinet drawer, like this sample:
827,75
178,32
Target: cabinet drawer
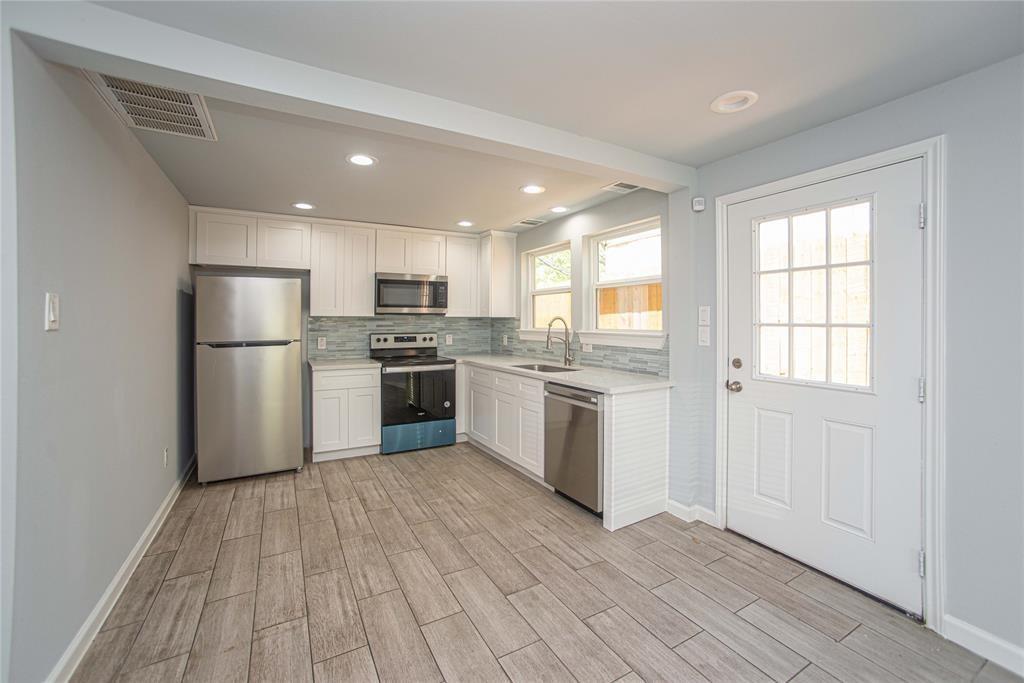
530,389
506,383
344,379
481,376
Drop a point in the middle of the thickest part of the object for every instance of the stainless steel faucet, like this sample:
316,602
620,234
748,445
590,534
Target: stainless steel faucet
568,336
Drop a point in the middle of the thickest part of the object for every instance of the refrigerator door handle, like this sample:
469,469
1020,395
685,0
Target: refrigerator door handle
230,345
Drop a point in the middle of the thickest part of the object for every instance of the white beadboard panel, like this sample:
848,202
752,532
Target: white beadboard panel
636,456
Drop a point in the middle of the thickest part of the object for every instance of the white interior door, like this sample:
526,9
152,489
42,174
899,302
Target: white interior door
826,364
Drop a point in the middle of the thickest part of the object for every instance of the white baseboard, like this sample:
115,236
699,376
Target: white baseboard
505,461
980,642
616,518
324,456
692,513
76,650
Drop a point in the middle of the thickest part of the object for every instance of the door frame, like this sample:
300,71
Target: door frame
932,153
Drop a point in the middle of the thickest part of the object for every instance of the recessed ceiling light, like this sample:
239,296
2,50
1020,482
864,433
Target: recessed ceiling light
305,206
532,189
465,224
558,209
734,101
361,159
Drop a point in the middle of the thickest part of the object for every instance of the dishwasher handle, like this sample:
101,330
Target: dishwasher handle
582,400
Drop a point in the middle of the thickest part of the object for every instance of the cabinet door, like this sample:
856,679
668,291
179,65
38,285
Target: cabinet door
283,244
394,252
461,397
363,417
225,239
506,425
327,271
502,276
484,275
481,414
427,254
359,268
330,420
461,257
531,436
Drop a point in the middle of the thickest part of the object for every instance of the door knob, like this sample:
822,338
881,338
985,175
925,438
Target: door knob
735,386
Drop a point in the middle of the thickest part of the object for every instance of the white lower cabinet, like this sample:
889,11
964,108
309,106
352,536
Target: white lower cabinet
506,417
481,413
346,413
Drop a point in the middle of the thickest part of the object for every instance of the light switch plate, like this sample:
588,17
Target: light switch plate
703,315
51,314
587,348
321,343
704,336
447,339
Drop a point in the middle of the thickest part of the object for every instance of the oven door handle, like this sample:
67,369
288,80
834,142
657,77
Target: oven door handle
417,368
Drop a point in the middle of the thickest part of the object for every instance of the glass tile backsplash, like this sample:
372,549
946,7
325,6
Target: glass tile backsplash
349,338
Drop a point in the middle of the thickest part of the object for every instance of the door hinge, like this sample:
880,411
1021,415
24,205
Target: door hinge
920,390
920,563
921,215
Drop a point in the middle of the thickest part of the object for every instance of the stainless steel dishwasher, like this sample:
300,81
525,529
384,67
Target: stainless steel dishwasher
574,443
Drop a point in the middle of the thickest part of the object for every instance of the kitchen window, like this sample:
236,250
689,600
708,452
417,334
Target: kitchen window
626,286
550,286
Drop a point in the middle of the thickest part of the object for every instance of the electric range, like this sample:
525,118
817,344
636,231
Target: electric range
417,392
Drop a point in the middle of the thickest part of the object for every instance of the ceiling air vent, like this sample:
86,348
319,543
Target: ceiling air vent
530,222
621,188
154,107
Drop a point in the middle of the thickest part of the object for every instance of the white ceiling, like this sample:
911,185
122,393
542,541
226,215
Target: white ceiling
265,161
637,74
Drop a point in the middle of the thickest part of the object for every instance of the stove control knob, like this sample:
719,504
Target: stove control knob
378,338
424,339
431,339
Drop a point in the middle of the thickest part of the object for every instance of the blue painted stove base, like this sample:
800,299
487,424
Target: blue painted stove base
411,437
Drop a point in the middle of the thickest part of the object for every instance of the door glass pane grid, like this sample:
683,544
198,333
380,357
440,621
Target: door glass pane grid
813,296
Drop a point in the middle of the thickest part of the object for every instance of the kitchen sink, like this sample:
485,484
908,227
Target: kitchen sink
546,368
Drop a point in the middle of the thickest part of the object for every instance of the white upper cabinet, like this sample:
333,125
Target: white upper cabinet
282,244
402,251
498,275
225,239
394,251
359,270
462,256
341,271
428,254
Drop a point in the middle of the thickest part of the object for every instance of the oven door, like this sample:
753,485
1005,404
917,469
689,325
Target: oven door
400,293
417,393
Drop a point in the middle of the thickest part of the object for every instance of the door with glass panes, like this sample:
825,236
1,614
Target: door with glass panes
825,365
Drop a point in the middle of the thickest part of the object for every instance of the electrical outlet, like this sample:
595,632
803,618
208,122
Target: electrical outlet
703,335
165,457
703,315
587,348
321,343
447,339
504,340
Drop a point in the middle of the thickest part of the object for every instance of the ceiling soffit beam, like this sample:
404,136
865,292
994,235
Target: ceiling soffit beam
104,40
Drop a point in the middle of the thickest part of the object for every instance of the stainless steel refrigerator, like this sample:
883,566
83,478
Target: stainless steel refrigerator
248,375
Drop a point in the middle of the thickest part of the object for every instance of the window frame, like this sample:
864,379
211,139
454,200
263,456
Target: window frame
828,325
531,291
591,333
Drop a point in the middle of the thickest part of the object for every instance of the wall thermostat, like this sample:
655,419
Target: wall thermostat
698,203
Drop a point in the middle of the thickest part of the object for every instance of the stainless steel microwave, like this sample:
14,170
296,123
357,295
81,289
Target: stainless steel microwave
404,293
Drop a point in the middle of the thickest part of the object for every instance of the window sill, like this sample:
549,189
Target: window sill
637,340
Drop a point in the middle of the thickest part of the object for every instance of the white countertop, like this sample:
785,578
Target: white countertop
594,379
345,364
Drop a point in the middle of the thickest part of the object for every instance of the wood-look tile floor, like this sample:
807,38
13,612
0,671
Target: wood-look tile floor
447,565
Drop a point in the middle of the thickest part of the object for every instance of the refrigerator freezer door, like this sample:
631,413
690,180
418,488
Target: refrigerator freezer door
247,309
249,410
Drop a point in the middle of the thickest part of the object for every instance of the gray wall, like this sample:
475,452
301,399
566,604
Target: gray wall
981,114
102,397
